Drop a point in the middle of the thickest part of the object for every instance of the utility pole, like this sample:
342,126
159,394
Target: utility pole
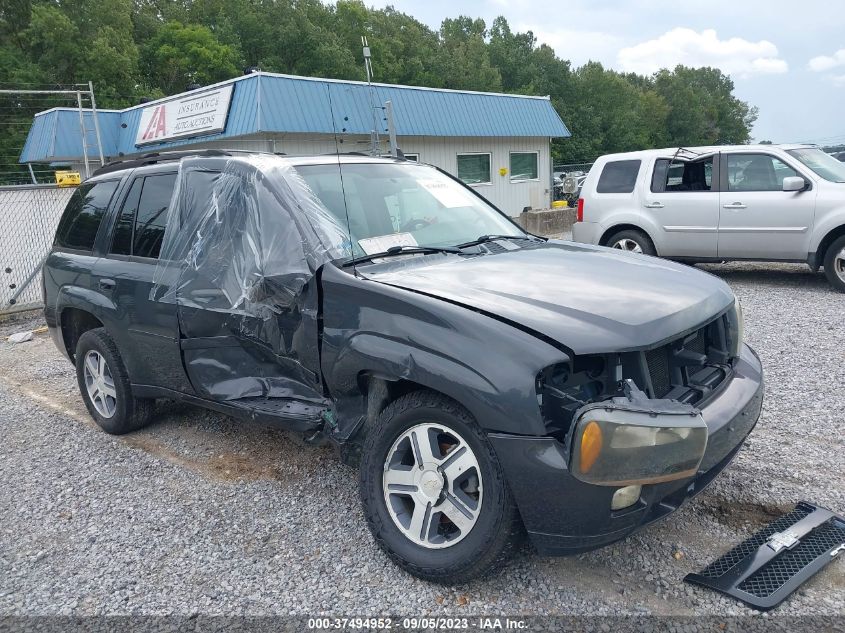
375,144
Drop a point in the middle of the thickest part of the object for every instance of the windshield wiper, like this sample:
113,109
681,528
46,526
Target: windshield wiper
492,238
401,250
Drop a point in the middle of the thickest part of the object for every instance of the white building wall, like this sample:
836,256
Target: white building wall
510,196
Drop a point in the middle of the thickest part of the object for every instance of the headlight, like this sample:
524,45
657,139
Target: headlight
619,446
736,329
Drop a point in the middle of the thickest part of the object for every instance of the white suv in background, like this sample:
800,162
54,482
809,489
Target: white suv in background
737,202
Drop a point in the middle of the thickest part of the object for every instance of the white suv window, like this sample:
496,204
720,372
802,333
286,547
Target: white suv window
757,172
682,175
619,176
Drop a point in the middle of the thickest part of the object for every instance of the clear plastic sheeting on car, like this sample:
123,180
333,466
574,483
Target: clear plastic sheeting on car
246,238
250,236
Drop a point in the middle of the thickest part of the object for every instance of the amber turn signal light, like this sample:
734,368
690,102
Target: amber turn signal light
591,442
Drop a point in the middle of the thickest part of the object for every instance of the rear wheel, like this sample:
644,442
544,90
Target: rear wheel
834,264
434,493
104,385
633,241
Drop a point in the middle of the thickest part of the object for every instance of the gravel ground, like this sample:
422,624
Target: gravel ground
202,514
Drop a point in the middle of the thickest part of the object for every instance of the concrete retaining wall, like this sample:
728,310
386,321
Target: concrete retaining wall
547,221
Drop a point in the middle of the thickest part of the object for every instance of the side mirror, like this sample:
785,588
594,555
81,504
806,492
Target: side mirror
794,183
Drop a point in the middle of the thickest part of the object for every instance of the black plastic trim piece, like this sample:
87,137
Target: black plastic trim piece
765,569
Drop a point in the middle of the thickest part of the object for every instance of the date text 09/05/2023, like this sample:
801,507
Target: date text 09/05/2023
415,624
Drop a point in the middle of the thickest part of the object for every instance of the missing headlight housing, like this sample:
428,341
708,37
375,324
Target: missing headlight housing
564,388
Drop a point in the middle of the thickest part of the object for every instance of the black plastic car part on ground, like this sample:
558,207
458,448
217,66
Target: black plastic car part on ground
768,567
573,391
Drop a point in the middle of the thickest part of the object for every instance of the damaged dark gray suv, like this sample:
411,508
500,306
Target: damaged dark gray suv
487,382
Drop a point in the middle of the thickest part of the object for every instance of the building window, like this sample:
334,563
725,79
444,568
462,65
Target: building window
413,157
474,169
525,166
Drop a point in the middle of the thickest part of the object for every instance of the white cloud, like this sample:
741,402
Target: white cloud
734,56
825,62
577,45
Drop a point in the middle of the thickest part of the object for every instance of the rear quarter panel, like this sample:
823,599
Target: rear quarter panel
609,210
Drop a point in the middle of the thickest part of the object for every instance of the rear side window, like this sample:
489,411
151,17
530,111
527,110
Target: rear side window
83,214
618,176
125,229
152,215
682,175
143,217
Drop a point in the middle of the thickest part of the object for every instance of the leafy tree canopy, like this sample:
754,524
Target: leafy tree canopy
135,48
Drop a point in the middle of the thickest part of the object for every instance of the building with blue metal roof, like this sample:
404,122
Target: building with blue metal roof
497,143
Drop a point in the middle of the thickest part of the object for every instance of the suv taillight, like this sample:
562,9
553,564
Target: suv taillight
580,216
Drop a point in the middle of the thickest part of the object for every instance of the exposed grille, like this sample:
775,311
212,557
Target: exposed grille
669,367
657,361
699,343
722,565
762,572
777,572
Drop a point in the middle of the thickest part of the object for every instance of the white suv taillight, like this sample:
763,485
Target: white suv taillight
580,216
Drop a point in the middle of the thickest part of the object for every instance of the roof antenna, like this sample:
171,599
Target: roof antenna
368,66
340,175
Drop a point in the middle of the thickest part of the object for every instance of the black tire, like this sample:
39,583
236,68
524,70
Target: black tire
832,264
498,528
641,239
130,413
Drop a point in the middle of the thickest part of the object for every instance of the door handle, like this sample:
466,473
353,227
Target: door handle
107,284
653,205
735,205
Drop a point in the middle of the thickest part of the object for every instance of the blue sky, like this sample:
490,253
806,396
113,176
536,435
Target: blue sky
788,59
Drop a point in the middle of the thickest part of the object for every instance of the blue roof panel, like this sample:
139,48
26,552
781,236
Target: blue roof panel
265,102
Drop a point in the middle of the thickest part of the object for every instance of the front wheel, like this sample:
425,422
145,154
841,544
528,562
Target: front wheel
434,493
834,264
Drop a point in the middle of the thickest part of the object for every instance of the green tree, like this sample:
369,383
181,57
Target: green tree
464,61
702,107
179,55
130,48
52,41
610,114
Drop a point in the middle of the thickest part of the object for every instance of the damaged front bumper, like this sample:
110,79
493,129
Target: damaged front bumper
565,514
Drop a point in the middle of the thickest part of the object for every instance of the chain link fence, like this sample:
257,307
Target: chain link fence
28,218
577,170
573,167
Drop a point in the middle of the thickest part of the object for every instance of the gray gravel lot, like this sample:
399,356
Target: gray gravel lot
202,514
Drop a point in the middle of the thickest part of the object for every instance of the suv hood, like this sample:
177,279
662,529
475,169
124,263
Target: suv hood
590,299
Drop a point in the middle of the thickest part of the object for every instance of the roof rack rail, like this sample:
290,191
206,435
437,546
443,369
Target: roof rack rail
353,153
152,158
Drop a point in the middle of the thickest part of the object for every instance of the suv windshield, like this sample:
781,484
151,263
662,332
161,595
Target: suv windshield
390,204
823,164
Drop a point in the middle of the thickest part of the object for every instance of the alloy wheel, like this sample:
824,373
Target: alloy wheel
432,485
839,264
627,244
100,384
